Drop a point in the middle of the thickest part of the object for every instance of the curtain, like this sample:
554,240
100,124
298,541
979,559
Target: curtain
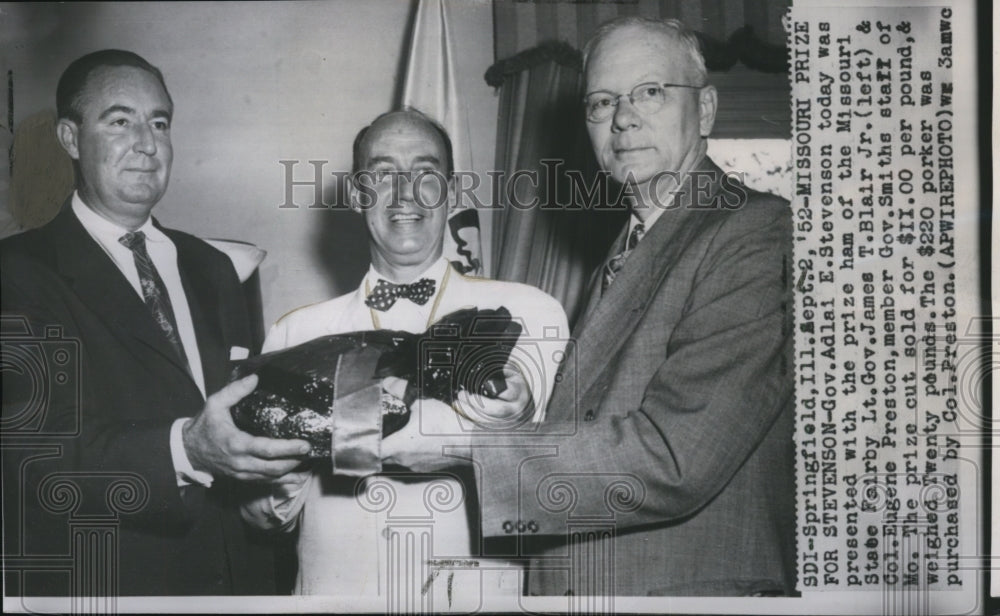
539,235
520,25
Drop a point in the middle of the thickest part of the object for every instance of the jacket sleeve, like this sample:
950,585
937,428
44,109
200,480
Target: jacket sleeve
722,383
110,452
126,462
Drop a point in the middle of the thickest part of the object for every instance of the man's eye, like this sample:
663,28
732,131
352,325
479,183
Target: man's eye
161,125
119,122
600,103
650,92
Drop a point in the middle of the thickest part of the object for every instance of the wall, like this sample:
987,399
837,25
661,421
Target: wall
255,83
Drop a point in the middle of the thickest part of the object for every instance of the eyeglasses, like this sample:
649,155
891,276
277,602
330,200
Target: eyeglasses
646,97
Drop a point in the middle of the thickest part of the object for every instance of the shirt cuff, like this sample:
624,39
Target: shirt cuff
282,505
186,474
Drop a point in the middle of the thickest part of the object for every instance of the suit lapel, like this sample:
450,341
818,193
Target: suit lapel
99,284
597,277
612,318
202,298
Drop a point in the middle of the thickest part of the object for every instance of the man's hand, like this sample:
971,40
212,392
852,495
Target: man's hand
432,440
512,406
293,481
215,445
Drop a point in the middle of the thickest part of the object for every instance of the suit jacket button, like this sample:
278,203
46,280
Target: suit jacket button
532,527
589,415
521,526
508,527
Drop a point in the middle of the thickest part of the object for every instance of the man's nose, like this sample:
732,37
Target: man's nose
405,186
625,116
145,140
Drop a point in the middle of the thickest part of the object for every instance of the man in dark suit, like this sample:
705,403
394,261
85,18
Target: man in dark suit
665,463
141,439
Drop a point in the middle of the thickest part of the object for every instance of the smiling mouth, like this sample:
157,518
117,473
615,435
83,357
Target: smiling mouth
405,219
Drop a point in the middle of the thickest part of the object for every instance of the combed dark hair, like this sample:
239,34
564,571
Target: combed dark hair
69,92
359,140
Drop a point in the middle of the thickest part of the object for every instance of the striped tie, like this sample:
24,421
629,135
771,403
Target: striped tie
154,292
612,267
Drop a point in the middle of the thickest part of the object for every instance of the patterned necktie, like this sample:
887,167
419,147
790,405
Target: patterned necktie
386,293
612,267
154,292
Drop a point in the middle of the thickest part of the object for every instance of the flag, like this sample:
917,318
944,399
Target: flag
430,87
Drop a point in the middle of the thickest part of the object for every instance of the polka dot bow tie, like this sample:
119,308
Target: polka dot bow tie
386,293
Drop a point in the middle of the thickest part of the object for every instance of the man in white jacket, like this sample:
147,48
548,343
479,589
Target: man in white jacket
354,532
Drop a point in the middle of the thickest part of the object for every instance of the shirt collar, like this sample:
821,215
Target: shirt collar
650,221
109,231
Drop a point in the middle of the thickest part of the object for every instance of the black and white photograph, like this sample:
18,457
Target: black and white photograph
499,306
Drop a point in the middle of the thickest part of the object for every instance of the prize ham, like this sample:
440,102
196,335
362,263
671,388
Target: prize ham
298,386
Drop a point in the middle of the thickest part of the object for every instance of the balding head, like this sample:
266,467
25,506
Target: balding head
395,120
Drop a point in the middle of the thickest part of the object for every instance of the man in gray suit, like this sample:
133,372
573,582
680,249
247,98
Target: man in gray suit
665,463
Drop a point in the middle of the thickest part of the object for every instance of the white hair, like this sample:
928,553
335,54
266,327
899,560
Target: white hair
670,28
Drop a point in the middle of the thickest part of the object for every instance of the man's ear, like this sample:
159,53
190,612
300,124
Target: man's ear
359,196
352,195
67,132
452,194
708,100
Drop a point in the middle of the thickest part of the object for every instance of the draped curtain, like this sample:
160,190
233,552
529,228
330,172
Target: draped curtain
535,239
520,25
538,76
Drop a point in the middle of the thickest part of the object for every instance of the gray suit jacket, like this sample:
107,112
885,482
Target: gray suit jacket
665,464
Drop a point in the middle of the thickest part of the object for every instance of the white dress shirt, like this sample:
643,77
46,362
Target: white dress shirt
164,256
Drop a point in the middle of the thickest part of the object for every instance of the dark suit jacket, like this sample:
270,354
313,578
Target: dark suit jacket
669,437
104,434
